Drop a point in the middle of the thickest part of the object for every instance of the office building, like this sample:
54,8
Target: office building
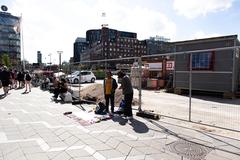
10,37
39,57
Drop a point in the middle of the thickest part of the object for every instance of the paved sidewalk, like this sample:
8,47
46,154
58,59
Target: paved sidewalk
32,127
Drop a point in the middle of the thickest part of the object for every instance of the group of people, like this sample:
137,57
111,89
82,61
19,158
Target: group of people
12,79
110,85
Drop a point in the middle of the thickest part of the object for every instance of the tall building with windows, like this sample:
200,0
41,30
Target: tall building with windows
10,37
109,43
39,57
80,45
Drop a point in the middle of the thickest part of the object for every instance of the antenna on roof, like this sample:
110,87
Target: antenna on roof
104,20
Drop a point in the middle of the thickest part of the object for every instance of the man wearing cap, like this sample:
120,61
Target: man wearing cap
109,86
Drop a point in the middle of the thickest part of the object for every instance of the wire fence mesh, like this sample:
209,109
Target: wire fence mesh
192,85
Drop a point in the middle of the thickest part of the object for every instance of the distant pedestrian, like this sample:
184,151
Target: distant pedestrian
28,79
5,78
109,85
127,91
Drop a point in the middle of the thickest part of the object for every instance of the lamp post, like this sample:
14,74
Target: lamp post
50,63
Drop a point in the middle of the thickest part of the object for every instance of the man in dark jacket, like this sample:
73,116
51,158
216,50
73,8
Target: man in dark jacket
5,78
127,91
109,86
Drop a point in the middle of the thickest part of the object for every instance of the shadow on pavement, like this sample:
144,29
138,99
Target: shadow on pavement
138,126
120,120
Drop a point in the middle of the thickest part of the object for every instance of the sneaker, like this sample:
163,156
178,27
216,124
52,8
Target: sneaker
130,117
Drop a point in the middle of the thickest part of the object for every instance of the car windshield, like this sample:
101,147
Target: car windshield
75,73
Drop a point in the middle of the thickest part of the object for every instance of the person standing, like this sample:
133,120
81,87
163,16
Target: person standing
127,91
28,79
109,85
5,78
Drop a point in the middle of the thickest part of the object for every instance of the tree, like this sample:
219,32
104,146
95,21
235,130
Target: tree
6,60
65,67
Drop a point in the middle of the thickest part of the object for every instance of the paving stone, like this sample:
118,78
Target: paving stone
231,156
124,148
102,137
14,154
56,144
100,146
83,158
113,142
148,150
31,150
137,157
91,141
62,156
164,156
37,156
53,154
78,153
111,154
135,143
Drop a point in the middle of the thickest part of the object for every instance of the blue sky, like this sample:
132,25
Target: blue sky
53,25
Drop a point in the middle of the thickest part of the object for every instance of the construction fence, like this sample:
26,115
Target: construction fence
197,85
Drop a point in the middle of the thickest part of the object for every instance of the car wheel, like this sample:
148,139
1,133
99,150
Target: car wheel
92,80
75,81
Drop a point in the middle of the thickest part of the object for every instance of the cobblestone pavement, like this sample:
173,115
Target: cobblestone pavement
32,127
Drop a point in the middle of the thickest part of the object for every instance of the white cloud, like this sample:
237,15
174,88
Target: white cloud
201,34
194,8
54,25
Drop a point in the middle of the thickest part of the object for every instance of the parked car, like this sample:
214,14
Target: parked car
86,76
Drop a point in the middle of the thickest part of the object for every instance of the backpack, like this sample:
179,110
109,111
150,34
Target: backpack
28,77
100,109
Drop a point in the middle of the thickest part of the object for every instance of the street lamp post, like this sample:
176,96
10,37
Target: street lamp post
50,63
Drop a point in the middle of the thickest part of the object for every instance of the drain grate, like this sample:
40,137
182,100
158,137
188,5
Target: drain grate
189,150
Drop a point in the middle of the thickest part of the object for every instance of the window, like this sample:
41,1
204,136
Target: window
202,61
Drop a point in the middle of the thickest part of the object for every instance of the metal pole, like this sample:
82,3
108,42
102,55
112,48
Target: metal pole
140,84
190,88
79,84
233,67
21,36
50,63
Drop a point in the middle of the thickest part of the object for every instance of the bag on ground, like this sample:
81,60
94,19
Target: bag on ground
100,109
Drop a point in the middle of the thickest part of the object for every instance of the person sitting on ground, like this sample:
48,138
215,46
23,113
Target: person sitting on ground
45,82
62,88
109,86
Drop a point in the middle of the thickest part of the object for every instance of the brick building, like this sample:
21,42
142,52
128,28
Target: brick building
108,43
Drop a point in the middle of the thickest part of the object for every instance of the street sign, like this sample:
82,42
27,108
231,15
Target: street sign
170,65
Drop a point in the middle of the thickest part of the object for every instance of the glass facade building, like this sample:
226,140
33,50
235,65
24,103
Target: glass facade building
10,38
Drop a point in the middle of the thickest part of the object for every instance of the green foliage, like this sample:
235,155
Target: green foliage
6,60
100,74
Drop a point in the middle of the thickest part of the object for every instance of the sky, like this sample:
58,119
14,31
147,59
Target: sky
53,25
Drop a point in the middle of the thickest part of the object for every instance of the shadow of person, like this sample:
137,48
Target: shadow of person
138,126
120,120
25,92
